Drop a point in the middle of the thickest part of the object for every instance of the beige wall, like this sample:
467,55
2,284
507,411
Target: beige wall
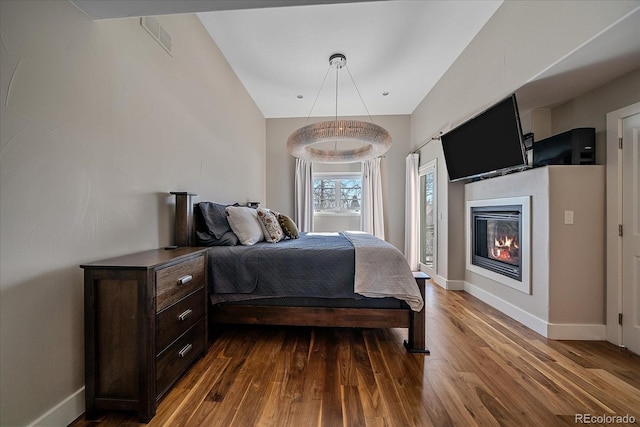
577,251
522,39
281,168
567,261
586,110
591,108
99,123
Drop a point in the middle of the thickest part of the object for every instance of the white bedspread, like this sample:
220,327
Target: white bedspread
382,271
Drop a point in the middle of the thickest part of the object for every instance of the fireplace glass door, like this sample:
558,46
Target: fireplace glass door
496,239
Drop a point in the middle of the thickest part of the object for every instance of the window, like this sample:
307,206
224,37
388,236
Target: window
337,193
428,213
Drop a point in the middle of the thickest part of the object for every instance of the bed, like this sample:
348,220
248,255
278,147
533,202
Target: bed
320,279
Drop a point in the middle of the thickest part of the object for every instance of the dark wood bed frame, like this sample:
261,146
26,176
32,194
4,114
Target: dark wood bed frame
256,314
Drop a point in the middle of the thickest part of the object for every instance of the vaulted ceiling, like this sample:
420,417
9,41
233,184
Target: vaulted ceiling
396,50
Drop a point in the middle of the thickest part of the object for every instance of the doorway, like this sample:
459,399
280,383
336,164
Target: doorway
623,227
428,220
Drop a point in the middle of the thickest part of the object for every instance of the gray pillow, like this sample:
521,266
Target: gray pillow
227,239
215,219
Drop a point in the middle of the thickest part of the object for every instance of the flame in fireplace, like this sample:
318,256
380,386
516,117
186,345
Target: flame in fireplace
506,242
504,247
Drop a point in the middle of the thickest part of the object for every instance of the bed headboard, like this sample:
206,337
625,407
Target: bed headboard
185,229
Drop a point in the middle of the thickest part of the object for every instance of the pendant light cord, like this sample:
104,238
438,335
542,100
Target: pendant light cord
318,95
360,95
354,85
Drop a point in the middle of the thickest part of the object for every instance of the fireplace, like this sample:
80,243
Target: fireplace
495,239
499,240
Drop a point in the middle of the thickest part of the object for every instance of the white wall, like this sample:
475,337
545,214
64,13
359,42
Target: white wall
99,123
520,40
333,223
281,168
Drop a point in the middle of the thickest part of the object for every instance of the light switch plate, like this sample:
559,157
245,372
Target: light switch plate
568,217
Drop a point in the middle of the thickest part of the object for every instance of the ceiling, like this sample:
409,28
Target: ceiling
280,50
281,53
397,47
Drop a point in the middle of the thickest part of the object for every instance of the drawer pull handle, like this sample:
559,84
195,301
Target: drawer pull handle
185,279
186,349
184,315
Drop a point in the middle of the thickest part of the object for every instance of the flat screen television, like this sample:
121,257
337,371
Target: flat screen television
488,144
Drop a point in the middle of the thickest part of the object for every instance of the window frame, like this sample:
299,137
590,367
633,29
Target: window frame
337,176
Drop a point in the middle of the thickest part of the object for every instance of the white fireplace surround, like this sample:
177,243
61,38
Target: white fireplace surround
525,244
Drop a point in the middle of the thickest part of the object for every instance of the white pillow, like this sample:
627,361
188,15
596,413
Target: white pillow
272,231
245,224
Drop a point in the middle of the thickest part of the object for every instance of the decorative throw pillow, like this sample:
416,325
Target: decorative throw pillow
272,231
288,226
245,224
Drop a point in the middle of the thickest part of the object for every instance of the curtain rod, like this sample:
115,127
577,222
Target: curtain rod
433,138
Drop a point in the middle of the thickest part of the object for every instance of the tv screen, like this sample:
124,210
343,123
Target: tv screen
489,143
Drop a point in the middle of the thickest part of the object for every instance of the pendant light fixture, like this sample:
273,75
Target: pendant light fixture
310,141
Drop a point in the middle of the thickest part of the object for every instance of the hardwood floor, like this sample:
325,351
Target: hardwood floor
484,369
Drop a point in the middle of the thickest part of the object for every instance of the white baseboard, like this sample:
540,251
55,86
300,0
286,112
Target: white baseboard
450,285
455,285
563,331
554,331
64,413
439,280
527,319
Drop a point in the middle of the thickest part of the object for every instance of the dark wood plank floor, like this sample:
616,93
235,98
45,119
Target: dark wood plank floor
484,369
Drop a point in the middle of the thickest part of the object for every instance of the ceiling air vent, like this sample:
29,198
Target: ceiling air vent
159,34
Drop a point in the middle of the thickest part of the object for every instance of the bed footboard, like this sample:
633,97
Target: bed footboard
256,314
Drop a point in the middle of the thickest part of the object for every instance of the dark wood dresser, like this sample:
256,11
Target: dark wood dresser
145,324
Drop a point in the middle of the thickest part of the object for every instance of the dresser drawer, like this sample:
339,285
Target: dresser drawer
177,281
172,362
176,319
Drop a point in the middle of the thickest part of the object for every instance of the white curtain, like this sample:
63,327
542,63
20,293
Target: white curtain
411,210
304,195
372,214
